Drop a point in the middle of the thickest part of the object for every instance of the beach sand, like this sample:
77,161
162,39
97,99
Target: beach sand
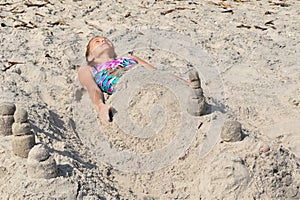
247,56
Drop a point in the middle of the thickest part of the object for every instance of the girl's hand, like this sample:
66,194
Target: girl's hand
105,113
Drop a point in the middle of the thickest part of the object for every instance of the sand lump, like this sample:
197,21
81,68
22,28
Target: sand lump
196,99
231,131
23,138
7,111
40,164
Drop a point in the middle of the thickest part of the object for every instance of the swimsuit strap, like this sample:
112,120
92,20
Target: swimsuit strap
123,61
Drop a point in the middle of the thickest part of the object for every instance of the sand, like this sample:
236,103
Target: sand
247,56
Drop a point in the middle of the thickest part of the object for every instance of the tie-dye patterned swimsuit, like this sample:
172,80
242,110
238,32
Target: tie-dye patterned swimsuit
103,73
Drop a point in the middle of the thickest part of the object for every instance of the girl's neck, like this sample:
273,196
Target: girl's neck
103,59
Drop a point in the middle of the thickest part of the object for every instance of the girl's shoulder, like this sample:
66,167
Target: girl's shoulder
128,61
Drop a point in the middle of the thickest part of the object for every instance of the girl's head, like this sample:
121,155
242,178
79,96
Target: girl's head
99,47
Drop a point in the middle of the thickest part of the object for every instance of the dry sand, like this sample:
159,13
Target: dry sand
247,55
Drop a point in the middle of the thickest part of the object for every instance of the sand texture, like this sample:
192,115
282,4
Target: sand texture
247,55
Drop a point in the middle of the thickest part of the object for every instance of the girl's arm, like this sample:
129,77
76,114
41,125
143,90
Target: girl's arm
143,63
148,66
86,79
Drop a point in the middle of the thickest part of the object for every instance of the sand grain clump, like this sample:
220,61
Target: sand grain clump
23,138
231,131
7,111
196,100
41,164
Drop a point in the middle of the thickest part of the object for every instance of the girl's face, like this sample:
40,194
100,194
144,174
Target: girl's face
99,46
100,42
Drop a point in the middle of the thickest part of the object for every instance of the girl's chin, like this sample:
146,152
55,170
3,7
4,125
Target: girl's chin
103,49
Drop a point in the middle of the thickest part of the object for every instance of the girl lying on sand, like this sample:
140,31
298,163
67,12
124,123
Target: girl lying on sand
103,72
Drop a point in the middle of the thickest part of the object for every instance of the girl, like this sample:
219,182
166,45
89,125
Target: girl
101,73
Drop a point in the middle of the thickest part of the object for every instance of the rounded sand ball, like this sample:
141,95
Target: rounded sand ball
194,79
231,131
7,108
21,115
6,123
21,145
196,107
196,93
21,128
39,153
193,75
45,169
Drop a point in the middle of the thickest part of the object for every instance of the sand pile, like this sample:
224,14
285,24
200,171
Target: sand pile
247,57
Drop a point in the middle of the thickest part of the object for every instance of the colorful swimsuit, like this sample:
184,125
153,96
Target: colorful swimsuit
104,79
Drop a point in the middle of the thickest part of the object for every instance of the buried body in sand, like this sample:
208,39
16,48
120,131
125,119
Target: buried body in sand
240,165
103,71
